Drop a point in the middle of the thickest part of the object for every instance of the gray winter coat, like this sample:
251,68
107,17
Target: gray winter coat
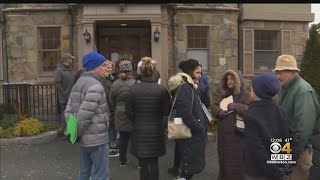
88,103
117,96
63,79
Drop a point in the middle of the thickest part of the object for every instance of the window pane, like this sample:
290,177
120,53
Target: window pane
49,60
49,48
197,37
201,56
49,38
265,61
266,40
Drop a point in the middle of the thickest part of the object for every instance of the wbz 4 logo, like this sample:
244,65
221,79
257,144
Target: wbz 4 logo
281,152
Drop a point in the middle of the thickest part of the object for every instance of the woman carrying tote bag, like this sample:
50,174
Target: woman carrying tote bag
190,153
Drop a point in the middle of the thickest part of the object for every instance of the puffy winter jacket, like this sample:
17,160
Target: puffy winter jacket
88,103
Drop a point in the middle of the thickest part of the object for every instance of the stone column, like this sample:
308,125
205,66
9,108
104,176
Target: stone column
156,52
83,46
80,45
164,54
87,46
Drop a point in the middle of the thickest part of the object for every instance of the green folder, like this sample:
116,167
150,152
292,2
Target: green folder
72,129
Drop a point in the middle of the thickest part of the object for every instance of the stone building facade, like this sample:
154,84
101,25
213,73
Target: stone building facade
221,36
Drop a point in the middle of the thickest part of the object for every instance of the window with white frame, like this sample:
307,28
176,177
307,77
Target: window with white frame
261,49
49,48
266,50
198,44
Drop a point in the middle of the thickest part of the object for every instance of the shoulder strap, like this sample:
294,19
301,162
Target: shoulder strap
175,97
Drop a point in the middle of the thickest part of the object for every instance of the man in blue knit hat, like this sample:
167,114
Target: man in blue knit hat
88,103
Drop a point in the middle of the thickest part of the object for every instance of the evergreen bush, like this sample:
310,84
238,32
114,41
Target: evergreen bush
310,64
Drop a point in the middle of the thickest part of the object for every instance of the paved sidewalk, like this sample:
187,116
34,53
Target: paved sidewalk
59,161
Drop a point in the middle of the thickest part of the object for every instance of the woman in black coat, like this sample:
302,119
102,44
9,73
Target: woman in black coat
191,151
146,106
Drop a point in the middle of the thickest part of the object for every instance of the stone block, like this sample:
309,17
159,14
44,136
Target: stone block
224,34
32,56
184,19
228,52
206,18
197,18
215,60
217,19
181,46
218,48
16,51
181,33
214,35
254,24
232,63
299,49
181,57
229,20
65,45
272,25
30,42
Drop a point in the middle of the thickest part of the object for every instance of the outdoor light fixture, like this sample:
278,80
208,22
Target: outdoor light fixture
156,35
86,36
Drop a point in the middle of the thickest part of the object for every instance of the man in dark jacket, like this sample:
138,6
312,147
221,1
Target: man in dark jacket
64,78
264,122
204,90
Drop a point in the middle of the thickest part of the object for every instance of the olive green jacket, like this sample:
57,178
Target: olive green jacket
300,101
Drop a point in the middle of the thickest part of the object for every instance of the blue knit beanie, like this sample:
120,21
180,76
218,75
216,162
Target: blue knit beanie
266,85
92,60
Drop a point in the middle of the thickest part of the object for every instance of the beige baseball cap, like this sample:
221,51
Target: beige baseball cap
67,56
286,62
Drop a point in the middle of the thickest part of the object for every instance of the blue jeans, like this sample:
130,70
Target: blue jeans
94,162
112,135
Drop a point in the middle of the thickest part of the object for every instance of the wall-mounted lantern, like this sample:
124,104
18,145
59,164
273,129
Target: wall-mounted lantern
156,35
86,36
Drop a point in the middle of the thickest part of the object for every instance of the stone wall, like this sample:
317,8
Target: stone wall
223,40
23,55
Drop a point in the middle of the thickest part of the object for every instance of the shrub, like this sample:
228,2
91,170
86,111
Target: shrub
7,109
28,127
310,64
7,123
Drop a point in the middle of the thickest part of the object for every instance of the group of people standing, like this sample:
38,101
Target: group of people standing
107,103
292,116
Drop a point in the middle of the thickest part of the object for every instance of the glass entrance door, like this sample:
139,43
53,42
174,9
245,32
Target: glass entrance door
124,40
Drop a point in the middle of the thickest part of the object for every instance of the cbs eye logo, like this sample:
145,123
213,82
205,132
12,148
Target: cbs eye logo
276,148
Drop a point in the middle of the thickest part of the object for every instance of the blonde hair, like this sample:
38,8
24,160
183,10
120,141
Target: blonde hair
147,67
124,75
154,62
108,62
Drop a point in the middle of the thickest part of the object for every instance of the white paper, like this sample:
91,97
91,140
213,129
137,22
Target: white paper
224,103
178,120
